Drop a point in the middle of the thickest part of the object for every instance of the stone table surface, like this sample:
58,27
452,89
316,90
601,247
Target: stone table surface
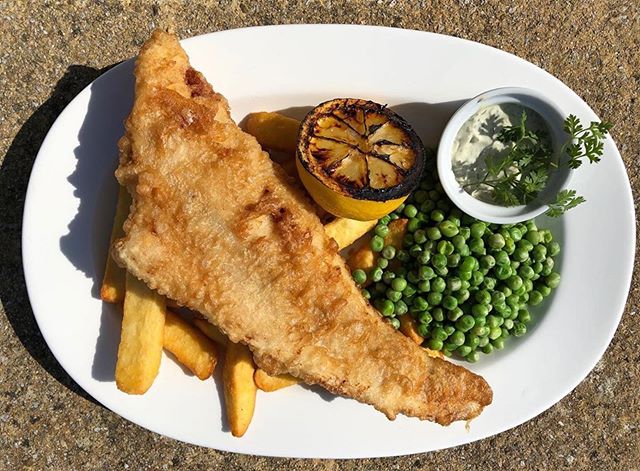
50,50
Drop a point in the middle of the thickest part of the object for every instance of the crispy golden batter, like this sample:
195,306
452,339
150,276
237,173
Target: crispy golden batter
215,226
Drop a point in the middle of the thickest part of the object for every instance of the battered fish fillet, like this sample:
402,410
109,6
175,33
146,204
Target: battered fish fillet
218,227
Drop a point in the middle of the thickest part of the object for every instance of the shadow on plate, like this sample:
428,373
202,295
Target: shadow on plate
14,177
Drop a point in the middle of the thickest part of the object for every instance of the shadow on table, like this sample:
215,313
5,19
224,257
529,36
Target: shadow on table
14,177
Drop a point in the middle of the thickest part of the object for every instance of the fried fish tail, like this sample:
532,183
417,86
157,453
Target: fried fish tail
217,228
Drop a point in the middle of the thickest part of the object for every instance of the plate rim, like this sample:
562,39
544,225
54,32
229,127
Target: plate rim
29,196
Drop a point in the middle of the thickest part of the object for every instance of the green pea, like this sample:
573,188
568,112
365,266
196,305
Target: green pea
426,273
465,284
535,297
429,245
439,334
514,282
463,350
410,211
453,260
488,348
495,333
553,249
472,340
547,267
420,196
465,232
476,278
487,261
524,316
437,215
515,234
389,252
531,225
483,341
519,329
448,228
413,224
507,324
424,257
525,245
434,298
381,230
382,262
443,205
465,323
526,272
537,268
415,251
497,297
449,329
433,233
455,314
539,253
521,255
439,260
445,247
480,330
425,318
496,241
435,344
377,243
400,308
494,321
457,338
544,290
513,301
420,303
528,285
437,313
385,307
458,241
427,206
548,237
480,310
514,266
502,258
388,277
467,264
449,302
376,274
533,237
509,245
464,251
365,293
480,321
399,284
438,285
393,295
477,229
359,276
420,236
409,291
462,295
423,329
489,283
424,286
402,256
498,343
454,284
483,296
384,220
477,246
552,280
502,272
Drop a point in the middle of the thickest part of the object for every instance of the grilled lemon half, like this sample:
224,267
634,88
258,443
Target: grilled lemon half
358,159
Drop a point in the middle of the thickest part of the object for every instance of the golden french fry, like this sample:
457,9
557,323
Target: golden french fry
113,283
190,346
269,383
211,331
346,231
397,231
141,337
239,387
274,131
409,327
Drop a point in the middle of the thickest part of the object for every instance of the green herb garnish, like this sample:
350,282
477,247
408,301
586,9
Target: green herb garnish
519,176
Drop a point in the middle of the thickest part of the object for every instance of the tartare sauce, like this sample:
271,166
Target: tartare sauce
477,139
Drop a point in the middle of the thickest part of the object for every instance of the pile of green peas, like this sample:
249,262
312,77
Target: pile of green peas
467,283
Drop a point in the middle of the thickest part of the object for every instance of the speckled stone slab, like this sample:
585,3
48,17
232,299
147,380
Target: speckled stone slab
50,50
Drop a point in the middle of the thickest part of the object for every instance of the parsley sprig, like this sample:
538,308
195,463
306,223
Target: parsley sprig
519,176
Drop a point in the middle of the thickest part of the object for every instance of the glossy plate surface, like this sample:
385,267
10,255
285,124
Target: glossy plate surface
72,194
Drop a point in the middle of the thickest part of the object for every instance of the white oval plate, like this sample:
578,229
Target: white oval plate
72,194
